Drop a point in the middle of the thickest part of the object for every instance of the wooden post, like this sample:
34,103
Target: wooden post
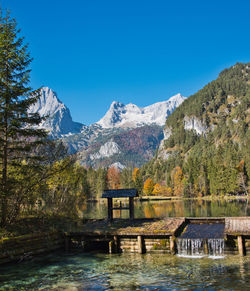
131,207
172,244
110,210
116,244
140,244
240,245
111,247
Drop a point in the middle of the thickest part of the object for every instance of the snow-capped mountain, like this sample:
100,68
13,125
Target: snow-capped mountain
126,135
132,116
59,121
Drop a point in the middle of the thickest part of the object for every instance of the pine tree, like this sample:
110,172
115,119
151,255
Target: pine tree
17,134
126,178
137,180
101,183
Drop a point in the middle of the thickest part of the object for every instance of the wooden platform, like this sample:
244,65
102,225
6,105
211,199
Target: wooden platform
167,226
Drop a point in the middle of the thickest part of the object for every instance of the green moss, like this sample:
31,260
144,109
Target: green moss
164,242
155,246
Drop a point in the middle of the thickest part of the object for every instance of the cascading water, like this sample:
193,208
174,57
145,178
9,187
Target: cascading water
200,239
215,247
190,247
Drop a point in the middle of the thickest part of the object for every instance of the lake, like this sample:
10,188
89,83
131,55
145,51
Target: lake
172,208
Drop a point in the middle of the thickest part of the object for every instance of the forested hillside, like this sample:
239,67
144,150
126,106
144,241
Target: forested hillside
206,149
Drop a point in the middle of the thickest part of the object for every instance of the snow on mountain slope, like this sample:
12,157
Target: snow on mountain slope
59,121
131,116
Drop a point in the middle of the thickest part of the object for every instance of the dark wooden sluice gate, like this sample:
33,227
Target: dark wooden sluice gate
120,193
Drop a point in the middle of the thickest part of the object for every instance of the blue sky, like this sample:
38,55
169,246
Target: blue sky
92,52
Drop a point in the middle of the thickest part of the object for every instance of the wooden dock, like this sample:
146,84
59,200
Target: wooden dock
139,235
154,235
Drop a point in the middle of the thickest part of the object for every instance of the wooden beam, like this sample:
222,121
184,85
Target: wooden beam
111,247
110,211
131,207
240,245
140,244
116,244
172,244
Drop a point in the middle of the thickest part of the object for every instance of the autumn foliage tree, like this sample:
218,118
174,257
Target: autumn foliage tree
177,180
113,178
135,174
162,190
148,187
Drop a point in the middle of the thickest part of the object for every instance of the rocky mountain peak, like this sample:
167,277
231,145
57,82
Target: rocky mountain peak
48,103
58,118
132,116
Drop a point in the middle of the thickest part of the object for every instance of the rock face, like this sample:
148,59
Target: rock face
166,135
59,121
193,123
109,149
132,116
118,166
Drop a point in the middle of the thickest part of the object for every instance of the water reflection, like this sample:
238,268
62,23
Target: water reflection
177,208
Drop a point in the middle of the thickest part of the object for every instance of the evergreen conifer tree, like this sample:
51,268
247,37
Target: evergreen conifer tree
17,133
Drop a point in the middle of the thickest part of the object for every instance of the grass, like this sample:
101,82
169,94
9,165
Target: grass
32,224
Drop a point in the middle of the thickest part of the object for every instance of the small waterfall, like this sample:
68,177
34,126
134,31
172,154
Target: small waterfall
200,247
190,247
215,247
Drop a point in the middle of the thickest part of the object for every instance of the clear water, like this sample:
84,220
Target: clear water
127,272
178,208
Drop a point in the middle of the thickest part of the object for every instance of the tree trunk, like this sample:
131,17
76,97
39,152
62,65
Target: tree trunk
4,175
